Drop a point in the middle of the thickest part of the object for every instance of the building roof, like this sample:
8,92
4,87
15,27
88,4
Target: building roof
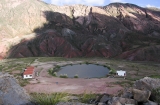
29,70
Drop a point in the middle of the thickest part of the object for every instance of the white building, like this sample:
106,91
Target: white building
121,73
28,73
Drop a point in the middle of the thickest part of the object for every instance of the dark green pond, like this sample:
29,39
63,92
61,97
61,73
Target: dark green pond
84,71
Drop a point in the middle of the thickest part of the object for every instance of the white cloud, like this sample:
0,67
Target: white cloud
111,1
86,2
148,5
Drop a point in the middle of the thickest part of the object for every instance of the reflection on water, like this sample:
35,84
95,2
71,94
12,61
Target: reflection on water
84,71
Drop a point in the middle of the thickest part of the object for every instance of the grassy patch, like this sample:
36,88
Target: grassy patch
1,67
23,82
156,95
54,98
47,59
112,71
132,79
48,99
155,76
85,98
125,83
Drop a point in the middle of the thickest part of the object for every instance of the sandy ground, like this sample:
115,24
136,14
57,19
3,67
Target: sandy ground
44,83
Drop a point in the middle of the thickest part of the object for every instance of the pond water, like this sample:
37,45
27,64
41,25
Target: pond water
84,71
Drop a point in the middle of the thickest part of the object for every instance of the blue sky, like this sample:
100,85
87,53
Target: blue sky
143,3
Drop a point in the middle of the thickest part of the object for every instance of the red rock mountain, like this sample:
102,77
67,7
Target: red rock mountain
33,28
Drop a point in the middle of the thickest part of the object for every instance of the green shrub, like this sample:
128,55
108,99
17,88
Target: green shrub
55,74
57,67
156,95
63,76
53,99
76,76
48,99
85,98
112,71
23,82
50,71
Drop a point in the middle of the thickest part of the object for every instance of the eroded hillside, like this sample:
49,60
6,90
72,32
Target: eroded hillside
32,28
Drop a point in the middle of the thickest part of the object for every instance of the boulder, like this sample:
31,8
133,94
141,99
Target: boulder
116,103
101,103
150,103
140,95
120,100
147,83
141,85
105,98
11,93
72,103
127,93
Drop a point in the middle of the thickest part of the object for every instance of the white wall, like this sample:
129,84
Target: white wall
121,73
27,76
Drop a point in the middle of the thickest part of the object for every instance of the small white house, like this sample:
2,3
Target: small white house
28,73
121,73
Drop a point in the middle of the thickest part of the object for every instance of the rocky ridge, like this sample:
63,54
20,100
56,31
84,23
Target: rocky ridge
117,30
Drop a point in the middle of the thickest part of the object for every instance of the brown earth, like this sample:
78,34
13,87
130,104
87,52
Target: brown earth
117,30
73,86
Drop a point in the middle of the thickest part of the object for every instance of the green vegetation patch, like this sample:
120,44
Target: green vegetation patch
155,76
53,71
48,99
125,83
54,98
156,95
63,76
23,82
84,98
47,59
76,76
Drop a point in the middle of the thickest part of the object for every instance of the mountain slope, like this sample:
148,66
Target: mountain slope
33,28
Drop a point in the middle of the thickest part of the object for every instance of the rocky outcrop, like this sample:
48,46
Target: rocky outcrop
147,83
11,93
136,95
134,17
72,103
141,96
117,30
